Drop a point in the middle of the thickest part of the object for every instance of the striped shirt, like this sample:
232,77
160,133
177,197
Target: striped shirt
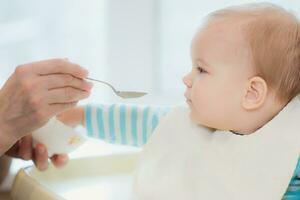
134,124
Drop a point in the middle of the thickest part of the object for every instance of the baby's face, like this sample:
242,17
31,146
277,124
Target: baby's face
216,82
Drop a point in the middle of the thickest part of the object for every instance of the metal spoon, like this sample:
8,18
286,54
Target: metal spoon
123,94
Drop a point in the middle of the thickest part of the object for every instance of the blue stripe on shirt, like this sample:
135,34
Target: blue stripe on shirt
134,125
293,191
111,124
145,123
99,117
88,120
154,121
123,124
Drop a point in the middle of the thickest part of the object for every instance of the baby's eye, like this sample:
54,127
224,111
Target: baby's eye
201,70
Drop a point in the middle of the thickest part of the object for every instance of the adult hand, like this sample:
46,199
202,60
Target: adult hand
34,93
23,149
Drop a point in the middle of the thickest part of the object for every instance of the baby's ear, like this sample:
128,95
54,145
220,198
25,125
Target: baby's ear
255,93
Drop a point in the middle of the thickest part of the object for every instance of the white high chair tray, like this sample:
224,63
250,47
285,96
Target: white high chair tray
103,177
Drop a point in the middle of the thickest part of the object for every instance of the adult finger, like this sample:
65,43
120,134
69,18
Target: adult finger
65,95
54,81
25,148
59,160
59,66
41,157
56,109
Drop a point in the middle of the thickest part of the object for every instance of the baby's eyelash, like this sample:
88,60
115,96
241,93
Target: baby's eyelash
201,70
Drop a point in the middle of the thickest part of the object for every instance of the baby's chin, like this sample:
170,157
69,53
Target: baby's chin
200,122
194,118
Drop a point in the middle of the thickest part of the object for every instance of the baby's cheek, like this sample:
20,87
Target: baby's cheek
201,95
200,106
205,104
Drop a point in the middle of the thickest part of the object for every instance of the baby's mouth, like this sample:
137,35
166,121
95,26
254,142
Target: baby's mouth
188,101
187,98
186,95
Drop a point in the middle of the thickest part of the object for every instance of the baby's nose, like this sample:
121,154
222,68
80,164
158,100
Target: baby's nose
187,80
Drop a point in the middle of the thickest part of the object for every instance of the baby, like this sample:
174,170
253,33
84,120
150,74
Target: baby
246,68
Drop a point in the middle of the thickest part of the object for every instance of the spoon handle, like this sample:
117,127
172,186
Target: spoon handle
92,79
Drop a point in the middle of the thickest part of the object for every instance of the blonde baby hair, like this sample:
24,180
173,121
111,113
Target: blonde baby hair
273,36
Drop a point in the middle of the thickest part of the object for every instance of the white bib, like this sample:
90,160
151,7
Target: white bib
185,161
